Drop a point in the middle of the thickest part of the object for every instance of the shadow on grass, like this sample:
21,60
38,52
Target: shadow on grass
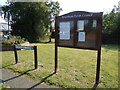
41,81
46,42
17,76
24,73
111,46
7,66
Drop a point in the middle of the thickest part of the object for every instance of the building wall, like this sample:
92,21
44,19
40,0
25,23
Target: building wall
4,26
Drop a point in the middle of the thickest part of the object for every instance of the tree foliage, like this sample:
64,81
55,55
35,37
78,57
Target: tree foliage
111,27
32,20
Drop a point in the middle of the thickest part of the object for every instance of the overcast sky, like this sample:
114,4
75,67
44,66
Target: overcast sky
87,5
84,5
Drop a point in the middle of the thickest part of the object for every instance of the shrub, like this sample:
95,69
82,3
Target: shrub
14,40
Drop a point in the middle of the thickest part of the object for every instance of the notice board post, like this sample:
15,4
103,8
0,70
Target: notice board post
16,57
56,46
35,57
99,50
80,30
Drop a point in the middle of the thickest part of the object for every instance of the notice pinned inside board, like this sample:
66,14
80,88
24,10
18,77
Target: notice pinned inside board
81,36
94,23
80,25
65,30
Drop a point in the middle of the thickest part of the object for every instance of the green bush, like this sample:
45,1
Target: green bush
14,40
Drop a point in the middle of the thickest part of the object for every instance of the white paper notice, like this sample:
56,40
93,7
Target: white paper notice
80,25
65,30
94,23
81,36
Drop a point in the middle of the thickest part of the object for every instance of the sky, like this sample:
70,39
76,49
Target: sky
84,5
88,5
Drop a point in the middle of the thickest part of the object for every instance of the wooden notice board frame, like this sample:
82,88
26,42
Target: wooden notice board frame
69,29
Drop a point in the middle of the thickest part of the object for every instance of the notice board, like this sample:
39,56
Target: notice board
79,29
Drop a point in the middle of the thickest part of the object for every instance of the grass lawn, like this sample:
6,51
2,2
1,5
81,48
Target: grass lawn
77,67
3,86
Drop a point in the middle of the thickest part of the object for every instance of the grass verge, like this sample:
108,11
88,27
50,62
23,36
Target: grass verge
3,86
77,67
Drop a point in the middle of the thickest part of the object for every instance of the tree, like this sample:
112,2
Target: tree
53,9
32,20
111,30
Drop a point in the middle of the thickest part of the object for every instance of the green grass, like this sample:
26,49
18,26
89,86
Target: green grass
77,67
3,86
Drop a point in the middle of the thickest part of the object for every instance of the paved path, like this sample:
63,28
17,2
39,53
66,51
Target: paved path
18,81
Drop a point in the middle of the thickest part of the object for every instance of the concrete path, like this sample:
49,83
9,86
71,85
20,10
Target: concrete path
21,81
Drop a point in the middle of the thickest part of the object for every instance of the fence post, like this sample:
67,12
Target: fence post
35,57
15,52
